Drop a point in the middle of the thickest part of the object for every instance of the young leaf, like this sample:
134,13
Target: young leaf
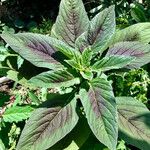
17,113
36,48
52,79
87,74
71,22
100,108
137,32
112,62
137,50
86,57
134,122
102,28
47,126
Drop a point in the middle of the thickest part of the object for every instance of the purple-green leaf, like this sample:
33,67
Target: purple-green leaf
71,22
112,62
137,32
137,50
38,49
100,32
101,112
102,28
134,122
53,79
47,126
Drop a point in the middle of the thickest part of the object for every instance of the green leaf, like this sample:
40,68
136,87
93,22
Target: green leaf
138,51
2,57
17,113
71,22
36,48
15,76
87,74
75,63
138,14
53,79
3,53
134,122
102,28
101,112
75,139
20,61
33,98
138,32
47,126
2,146
86,57
112,62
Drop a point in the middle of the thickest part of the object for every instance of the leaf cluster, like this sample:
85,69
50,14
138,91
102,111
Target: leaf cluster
78,54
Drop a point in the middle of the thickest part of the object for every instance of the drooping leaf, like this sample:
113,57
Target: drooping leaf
137,50
52,79
17,113
102,28
134,122
39,49
71,22
47,126
112,62
138,32
100,108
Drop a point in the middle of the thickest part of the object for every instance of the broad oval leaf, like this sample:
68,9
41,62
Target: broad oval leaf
137,32
71,22
38,49
52,79
101,112
47,126
134,122
137,50
112,62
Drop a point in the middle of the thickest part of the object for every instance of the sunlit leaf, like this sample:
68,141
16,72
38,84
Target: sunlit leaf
137,50
134,122
36,48
71,22
137,32
17,113
112,62
47,126
52,79
102,28
101,112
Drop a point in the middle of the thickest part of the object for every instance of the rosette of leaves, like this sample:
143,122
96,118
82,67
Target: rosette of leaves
79,54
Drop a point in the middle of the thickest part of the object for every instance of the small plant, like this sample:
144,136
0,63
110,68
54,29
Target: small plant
79,54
